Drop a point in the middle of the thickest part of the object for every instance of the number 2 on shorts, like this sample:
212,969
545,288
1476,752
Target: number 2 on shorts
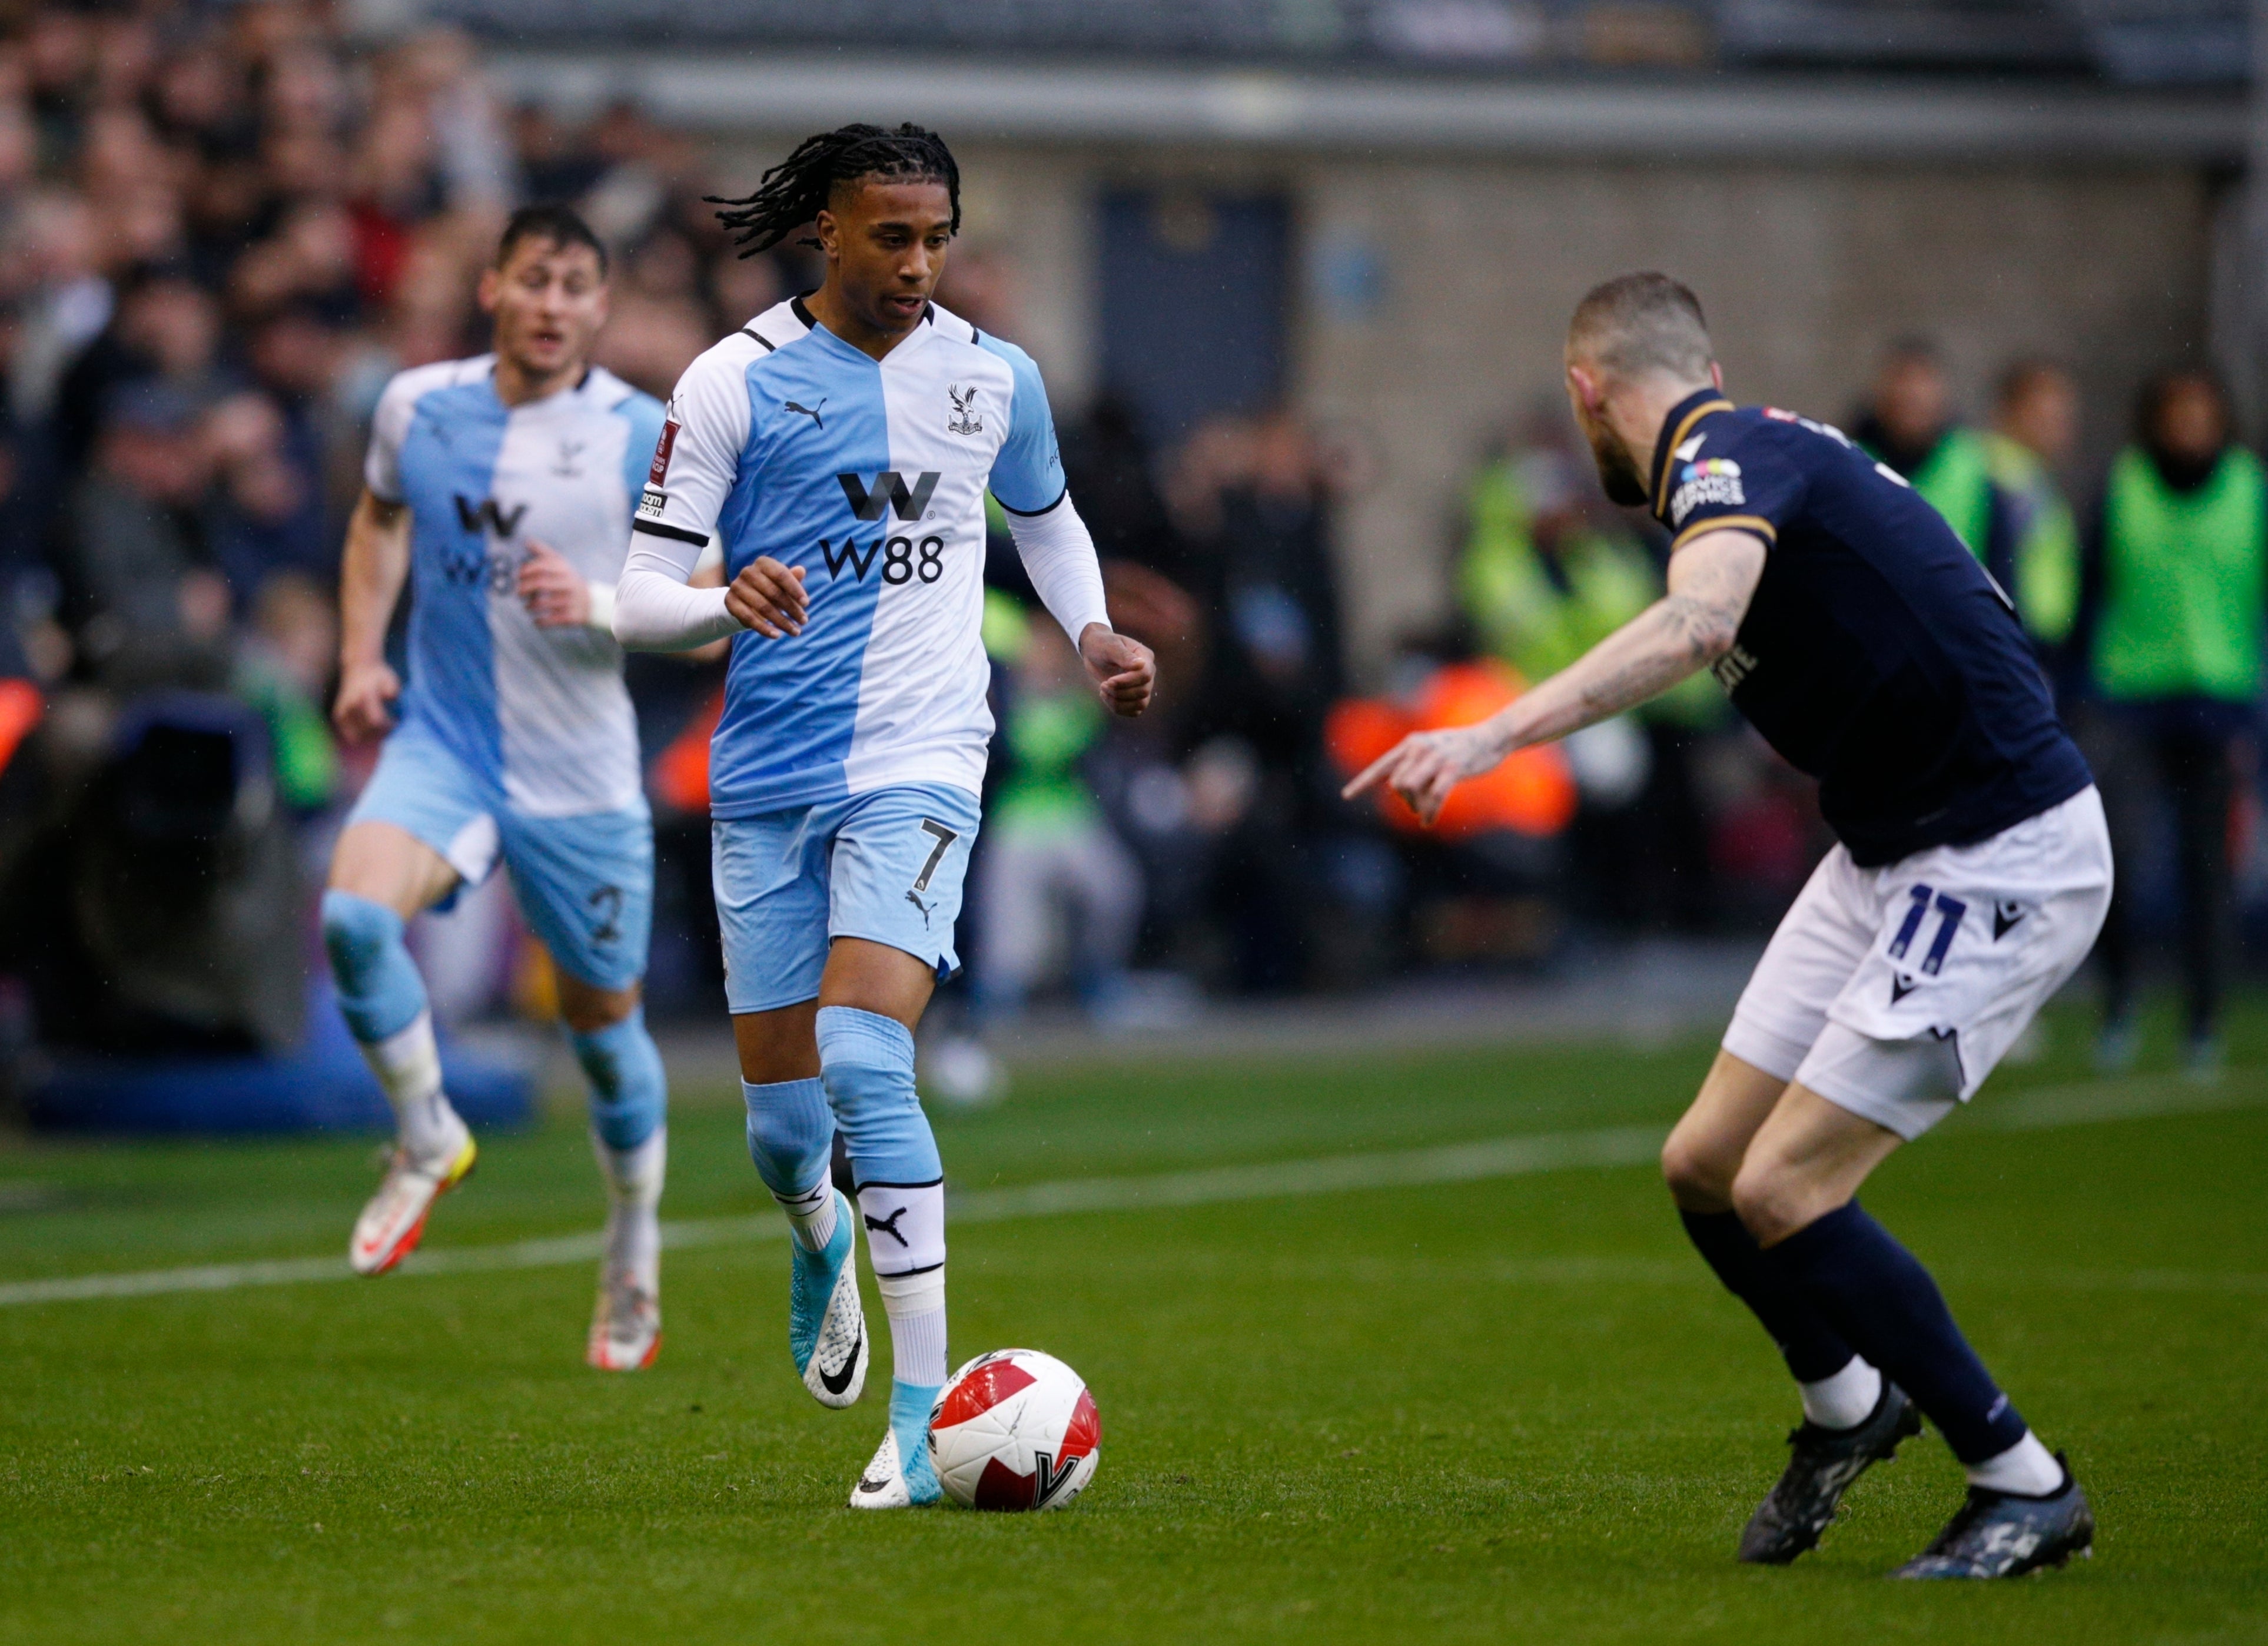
945,838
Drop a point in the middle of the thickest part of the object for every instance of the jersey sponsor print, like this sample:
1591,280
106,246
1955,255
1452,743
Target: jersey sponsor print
1876,655
539,714
784,440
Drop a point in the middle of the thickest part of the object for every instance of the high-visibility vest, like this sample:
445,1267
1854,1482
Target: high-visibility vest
1957,480
2044,540
1525,617
2183,582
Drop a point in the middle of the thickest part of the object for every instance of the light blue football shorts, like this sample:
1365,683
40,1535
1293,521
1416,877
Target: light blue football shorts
885,866
585,884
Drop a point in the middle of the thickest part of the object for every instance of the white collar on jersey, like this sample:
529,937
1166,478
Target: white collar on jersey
788,321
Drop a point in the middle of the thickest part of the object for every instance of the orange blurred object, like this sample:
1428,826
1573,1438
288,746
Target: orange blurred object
21,710
681,771
1531,793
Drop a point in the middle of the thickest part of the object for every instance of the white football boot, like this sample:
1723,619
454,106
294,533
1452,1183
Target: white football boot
626,1324
394,1222
826,1325
901,1478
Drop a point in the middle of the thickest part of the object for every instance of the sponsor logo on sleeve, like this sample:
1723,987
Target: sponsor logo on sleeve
660,470
652,503
1713,480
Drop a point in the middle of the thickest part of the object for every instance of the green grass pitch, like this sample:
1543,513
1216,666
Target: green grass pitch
1514,1408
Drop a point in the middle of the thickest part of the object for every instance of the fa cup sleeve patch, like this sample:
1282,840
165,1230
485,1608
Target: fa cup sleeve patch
662,448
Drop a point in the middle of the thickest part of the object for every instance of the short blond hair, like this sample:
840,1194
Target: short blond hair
1635,324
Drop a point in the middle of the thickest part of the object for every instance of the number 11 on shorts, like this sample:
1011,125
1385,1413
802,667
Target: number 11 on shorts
1951,910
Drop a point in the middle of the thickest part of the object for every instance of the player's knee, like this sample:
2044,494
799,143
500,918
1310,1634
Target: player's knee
379,991
866,1062
630,1092
790,1133
1769,1200
586,1011
1700,1177
357,933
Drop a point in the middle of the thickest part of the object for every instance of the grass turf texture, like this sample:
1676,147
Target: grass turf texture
1519,1409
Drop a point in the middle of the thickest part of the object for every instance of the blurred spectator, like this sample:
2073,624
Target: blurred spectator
1261,568
282,672
1547,571
130,543
2176,601
1253,503
1908,423
165,326
1057,885
1110,470
2034,544
280,518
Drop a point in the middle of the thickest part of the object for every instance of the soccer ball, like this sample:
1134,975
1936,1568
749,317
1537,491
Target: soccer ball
1015,1429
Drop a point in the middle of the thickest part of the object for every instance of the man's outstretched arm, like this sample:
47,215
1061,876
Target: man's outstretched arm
1711,580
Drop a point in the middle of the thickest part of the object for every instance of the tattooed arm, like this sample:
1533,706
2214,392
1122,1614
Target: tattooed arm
1711,582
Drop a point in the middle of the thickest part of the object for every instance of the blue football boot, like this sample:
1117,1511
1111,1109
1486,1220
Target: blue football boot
826,1327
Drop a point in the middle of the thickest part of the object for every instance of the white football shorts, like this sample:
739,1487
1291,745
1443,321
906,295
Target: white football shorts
1956,947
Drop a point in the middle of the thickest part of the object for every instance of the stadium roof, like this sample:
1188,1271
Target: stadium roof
1712,117
2116,42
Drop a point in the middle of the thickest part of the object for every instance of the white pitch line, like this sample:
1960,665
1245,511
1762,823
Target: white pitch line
2084,1103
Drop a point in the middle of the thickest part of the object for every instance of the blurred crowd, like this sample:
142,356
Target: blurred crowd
222,229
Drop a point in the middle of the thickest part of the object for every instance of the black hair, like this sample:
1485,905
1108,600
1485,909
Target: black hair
1641,322
560,226
2150,402
794,192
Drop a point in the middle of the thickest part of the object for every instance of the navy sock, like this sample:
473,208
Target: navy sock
1811,1347
1877,1294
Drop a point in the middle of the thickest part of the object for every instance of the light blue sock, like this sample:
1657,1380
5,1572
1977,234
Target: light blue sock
909,1405
790,1134
791,1139
629,1093
866,1061
380,994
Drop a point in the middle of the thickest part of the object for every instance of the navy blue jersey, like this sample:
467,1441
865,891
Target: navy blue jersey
1876,655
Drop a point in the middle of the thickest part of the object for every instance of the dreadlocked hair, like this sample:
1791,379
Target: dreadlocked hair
794,192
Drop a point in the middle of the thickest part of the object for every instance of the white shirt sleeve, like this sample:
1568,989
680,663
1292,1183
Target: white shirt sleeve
654,610
697,461
1059,552
389,426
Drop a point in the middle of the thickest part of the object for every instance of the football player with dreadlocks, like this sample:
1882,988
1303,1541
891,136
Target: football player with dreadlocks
839,447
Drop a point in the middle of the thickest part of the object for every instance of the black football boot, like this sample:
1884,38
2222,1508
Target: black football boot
1802,1505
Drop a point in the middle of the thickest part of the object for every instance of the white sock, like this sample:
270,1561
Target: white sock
915,1306
2027,1468
1845,1401
634,1179
811,1215
408,1064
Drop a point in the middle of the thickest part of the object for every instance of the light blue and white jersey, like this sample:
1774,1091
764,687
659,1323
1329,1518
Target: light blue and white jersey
540,713
784,440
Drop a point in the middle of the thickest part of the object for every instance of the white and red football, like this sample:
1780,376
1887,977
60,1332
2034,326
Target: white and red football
1015,1429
